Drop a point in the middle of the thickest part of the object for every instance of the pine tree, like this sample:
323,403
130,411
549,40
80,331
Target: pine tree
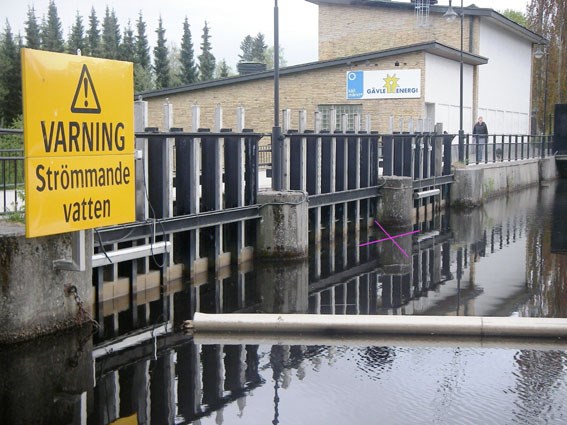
259,48
33,33
77,40
142,45
206,58
52,34
128,46
10,78
93,35
246,46
161,60
188,72
110,35
174,59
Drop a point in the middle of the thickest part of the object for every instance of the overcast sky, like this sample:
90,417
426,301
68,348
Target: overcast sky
229,20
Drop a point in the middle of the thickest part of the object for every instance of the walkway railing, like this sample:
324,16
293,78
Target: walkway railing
11,172
505,147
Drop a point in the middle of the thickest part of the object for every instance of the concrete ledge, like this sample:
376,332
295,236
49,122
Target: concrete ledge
477,183
276,324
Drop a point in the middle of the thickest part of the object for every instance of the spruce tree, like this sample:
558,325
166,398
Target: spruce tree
161,60
188,72
77,40
32,30
259,48
93,35
128,46
52,34
10,78
246,46
206,58
110,35
142,45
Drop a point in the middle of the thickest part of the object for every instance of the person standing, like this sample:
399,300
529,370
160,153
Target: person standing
480,134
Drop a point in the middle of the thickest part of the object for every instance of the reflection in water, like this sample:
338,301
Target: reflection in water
503,259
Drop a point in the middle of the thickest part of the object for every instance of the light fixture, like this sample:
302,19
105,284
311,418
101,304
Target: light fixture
539,52
396,63
450,14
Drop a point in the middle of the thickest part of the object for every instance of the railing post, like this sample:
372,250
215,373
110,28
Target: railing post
140,124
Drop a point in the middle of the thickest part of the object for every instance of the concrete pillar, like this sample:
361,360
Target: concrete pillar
466,190
34,299
396,204
283,231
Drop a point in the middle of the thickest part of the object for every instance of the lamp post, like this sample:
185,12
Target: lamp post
277,145
451,15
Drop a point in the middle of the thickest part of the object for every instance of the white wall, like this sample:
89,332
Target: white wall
442,87
505,82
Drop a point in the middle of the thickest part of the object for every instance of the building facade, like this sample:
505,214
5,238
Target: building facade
369,51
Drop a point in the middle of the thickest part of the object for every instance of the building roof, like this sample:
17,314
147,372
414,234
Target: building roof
470,10
432,47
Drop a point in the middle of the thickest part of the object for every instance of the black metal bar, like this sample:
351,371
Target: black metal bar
232,177
140,230
294,161
251,177
211,164
433,181
158,172
326,164
325,199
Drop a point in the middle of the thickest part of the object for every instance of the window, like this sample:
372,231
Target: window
349,110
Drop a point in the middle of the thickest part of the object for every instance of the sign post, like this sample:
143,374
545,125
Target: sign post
78,142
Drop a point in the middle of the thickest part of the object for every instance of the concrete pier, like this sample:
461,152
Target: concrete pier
283,231
395,208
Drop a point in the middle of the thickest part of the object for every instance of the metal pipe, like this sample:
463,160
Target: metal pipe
277,324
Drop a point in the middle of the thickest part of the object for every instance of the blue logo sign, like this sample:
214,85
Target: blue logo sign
355,84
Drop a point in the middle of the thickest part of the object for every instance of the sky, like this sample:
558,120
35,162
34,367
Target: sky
229,21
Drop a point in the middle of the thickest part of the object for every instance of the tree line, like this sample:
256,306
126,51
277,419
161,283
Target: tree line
163,66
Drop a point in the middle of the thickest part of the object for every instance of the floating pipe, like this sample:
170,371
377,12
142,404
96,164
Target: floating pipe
276,324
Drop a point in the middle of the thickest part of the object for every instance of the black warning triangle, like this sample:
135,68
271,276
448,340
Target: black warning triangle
85,100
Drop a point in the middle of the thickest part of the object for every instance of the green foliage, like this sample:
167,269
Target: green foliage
110,35
516,16
93,35
188,71
10,78
223,70
253,49
142,79
77,36
207,61
32,30
161,60
18,212
52,32
269,58
142,45
128,46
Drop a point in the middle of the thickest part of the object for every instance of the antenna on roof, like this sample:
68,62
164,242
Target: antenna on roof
422,11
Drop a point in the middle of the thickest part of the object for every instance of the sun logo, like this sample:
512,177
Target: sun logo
391,83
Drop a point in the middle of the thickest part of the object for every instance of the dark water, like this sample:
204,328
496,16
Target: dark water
507,258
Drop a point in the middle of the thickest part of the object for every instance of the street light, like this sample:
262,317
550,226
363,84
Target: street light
451,15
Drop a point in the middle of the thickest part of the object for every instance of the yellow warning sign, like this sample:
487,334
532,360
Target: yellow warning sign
78,142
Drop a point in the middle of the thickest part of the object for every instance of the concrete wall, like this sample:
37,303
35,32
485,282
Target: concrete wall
33,301
475,184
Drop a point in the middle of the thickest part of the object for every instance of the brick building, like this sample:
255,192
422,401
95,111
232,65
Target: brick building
381,59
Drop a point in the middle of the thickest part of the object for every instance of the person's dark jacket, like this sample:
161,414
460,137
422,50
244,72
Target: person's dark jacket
480,129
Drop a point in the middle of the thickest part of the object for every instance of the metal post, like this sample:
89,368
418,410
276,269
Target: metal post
461,132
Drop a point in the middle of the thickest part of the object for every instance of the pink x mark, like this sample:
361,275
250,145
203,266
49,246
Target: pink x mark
390,238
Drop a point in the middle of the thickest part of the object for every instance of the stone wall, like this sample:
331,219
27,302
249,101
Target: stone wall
346,30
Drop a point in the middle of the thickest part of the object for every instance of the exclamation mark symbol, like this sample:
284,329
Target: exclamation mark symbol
85,81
